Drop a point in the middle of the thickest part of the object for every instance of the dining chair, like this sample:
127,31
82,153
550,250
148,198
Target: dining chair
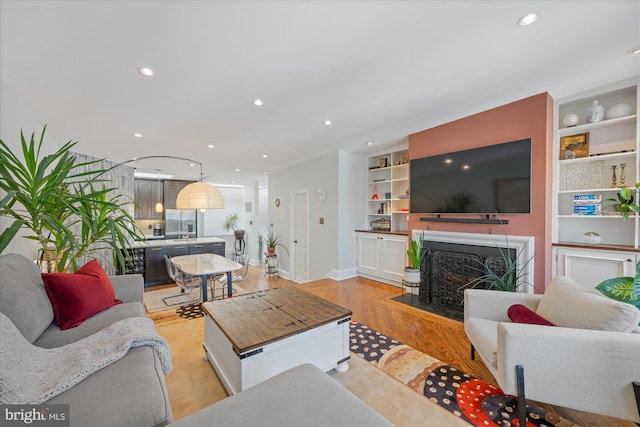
222,278
186,282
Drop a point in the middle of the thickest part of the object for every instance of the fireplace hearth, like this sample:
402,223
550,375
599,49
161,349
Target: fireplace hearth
454,259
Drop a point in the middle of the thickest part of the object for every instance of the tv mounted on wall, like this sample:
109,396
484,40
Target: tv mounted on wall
485,180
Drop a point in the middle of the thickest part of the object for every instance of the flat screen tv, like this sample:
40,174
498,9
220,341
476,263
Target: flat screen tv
485,180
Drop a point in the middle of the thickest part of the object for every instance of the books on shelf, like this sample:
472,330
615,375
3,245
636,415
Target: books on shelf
587,204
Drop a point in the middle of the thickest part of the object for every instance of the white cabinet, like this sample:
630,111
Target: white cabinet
381,256
585,166
589,267
388,189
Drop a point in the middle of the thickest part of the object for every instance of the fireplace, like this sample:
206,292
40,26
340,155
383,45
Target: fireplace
452,260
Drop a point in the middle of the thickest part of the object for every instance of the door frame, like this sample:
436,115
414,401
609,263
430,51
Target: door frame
292,228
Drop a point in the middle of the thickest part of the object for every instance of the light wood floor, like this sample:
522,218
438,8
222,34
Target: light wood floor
371,304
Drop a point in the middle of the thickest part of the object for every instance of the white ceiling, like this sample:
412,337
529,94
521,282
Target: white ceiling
380,70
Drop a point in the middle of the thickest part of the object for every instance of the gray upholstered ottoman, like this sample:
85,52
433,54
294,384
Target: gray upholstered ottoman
302,396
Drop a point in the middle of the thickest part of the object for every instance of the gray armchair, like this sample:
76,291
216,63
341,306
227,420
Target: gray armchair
591,370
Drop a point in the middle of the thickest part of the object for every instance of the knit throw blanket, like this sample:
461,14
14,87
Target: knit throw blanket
33,375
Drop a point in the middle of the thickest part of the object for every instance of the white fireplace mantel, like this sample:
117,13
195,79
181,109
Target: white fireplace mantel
523,245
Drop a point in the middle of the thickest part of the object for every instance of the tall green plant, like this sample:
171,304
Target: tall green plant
414,253
48,196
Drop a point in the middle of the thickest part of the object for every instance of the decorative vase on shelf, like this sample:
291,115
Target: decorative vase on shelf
594,113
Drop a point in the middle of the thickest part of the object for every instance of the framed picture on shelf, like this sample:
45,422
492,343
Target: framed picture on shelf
574,146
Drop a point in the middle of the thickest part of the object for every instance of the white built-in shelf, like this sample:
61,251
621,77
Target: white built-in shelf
598,125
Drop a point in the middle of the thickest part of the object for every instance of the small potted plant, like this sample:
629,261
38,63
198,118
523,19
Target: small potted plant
624,202
415,255
273,240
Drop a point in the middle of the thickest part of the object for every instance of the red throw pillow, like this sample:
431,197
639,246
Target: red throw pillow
78,296
519,313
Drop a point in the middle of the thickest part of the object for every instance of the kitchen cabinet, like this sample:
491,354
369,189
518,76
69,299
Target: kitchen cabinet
589,266
155,268
171,190
207,248
155,265
146,194
381,256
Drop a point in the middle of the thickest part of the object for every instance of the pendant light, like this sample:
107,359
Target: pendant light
159,207
200,195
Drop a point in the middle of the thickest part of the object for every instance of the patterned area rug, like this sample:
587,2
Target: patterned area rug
153,300
187,304
471,399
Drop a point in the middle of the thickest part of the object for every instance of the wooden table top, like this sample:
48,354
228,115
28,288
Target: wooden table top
253,320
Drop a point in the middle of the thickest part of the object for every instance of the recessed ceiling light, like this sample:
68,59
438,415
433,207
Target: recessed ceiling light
137,135
237,170
191,164
211,146
327,123
265,156
146,71
257,102
634,50
369,143
528,19
233,182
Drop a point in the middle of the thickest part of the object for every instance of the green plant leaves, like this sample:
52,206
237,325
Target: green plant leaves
414,253
625,289
52,195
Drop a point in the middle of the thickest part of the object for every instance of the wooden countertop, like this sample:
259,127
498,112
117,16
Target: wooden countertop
398,233
597,247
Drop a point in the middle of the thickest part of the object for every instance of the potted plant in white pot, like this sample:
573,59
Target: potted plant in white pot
415,255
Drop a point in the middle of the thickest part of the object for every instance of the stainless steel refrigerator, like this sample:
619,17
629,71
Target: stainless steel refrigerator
180,224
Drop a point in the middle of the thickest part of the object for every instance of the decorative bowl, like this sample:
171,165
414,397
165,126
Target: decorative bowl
618,110
591,237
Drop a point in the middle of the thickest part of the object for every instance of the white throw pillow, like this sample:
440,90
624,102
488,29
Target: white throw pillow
568,304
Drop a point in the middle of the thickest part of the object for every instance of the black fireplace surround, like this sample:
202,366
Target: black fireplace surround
447,267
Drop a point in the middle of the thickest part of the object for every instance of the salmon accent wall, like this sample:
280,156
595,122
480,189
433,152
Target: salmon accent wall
527,118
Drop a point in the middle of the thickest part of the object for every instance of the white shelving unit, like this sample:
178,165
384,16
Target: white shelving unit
612,142
388,188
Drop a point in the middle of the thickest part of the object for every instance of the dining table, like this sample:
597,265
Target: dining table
205,266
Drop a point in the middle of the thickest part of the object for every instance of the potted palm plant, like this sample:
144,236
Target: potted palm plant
415,255
66,214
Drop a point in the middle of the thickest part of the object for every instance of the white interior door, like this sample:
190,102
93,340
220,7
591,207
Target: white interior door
300,236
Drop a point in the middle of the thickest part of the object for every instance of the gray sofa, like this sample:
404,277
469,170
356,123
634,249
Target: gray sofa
132,391
129,392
